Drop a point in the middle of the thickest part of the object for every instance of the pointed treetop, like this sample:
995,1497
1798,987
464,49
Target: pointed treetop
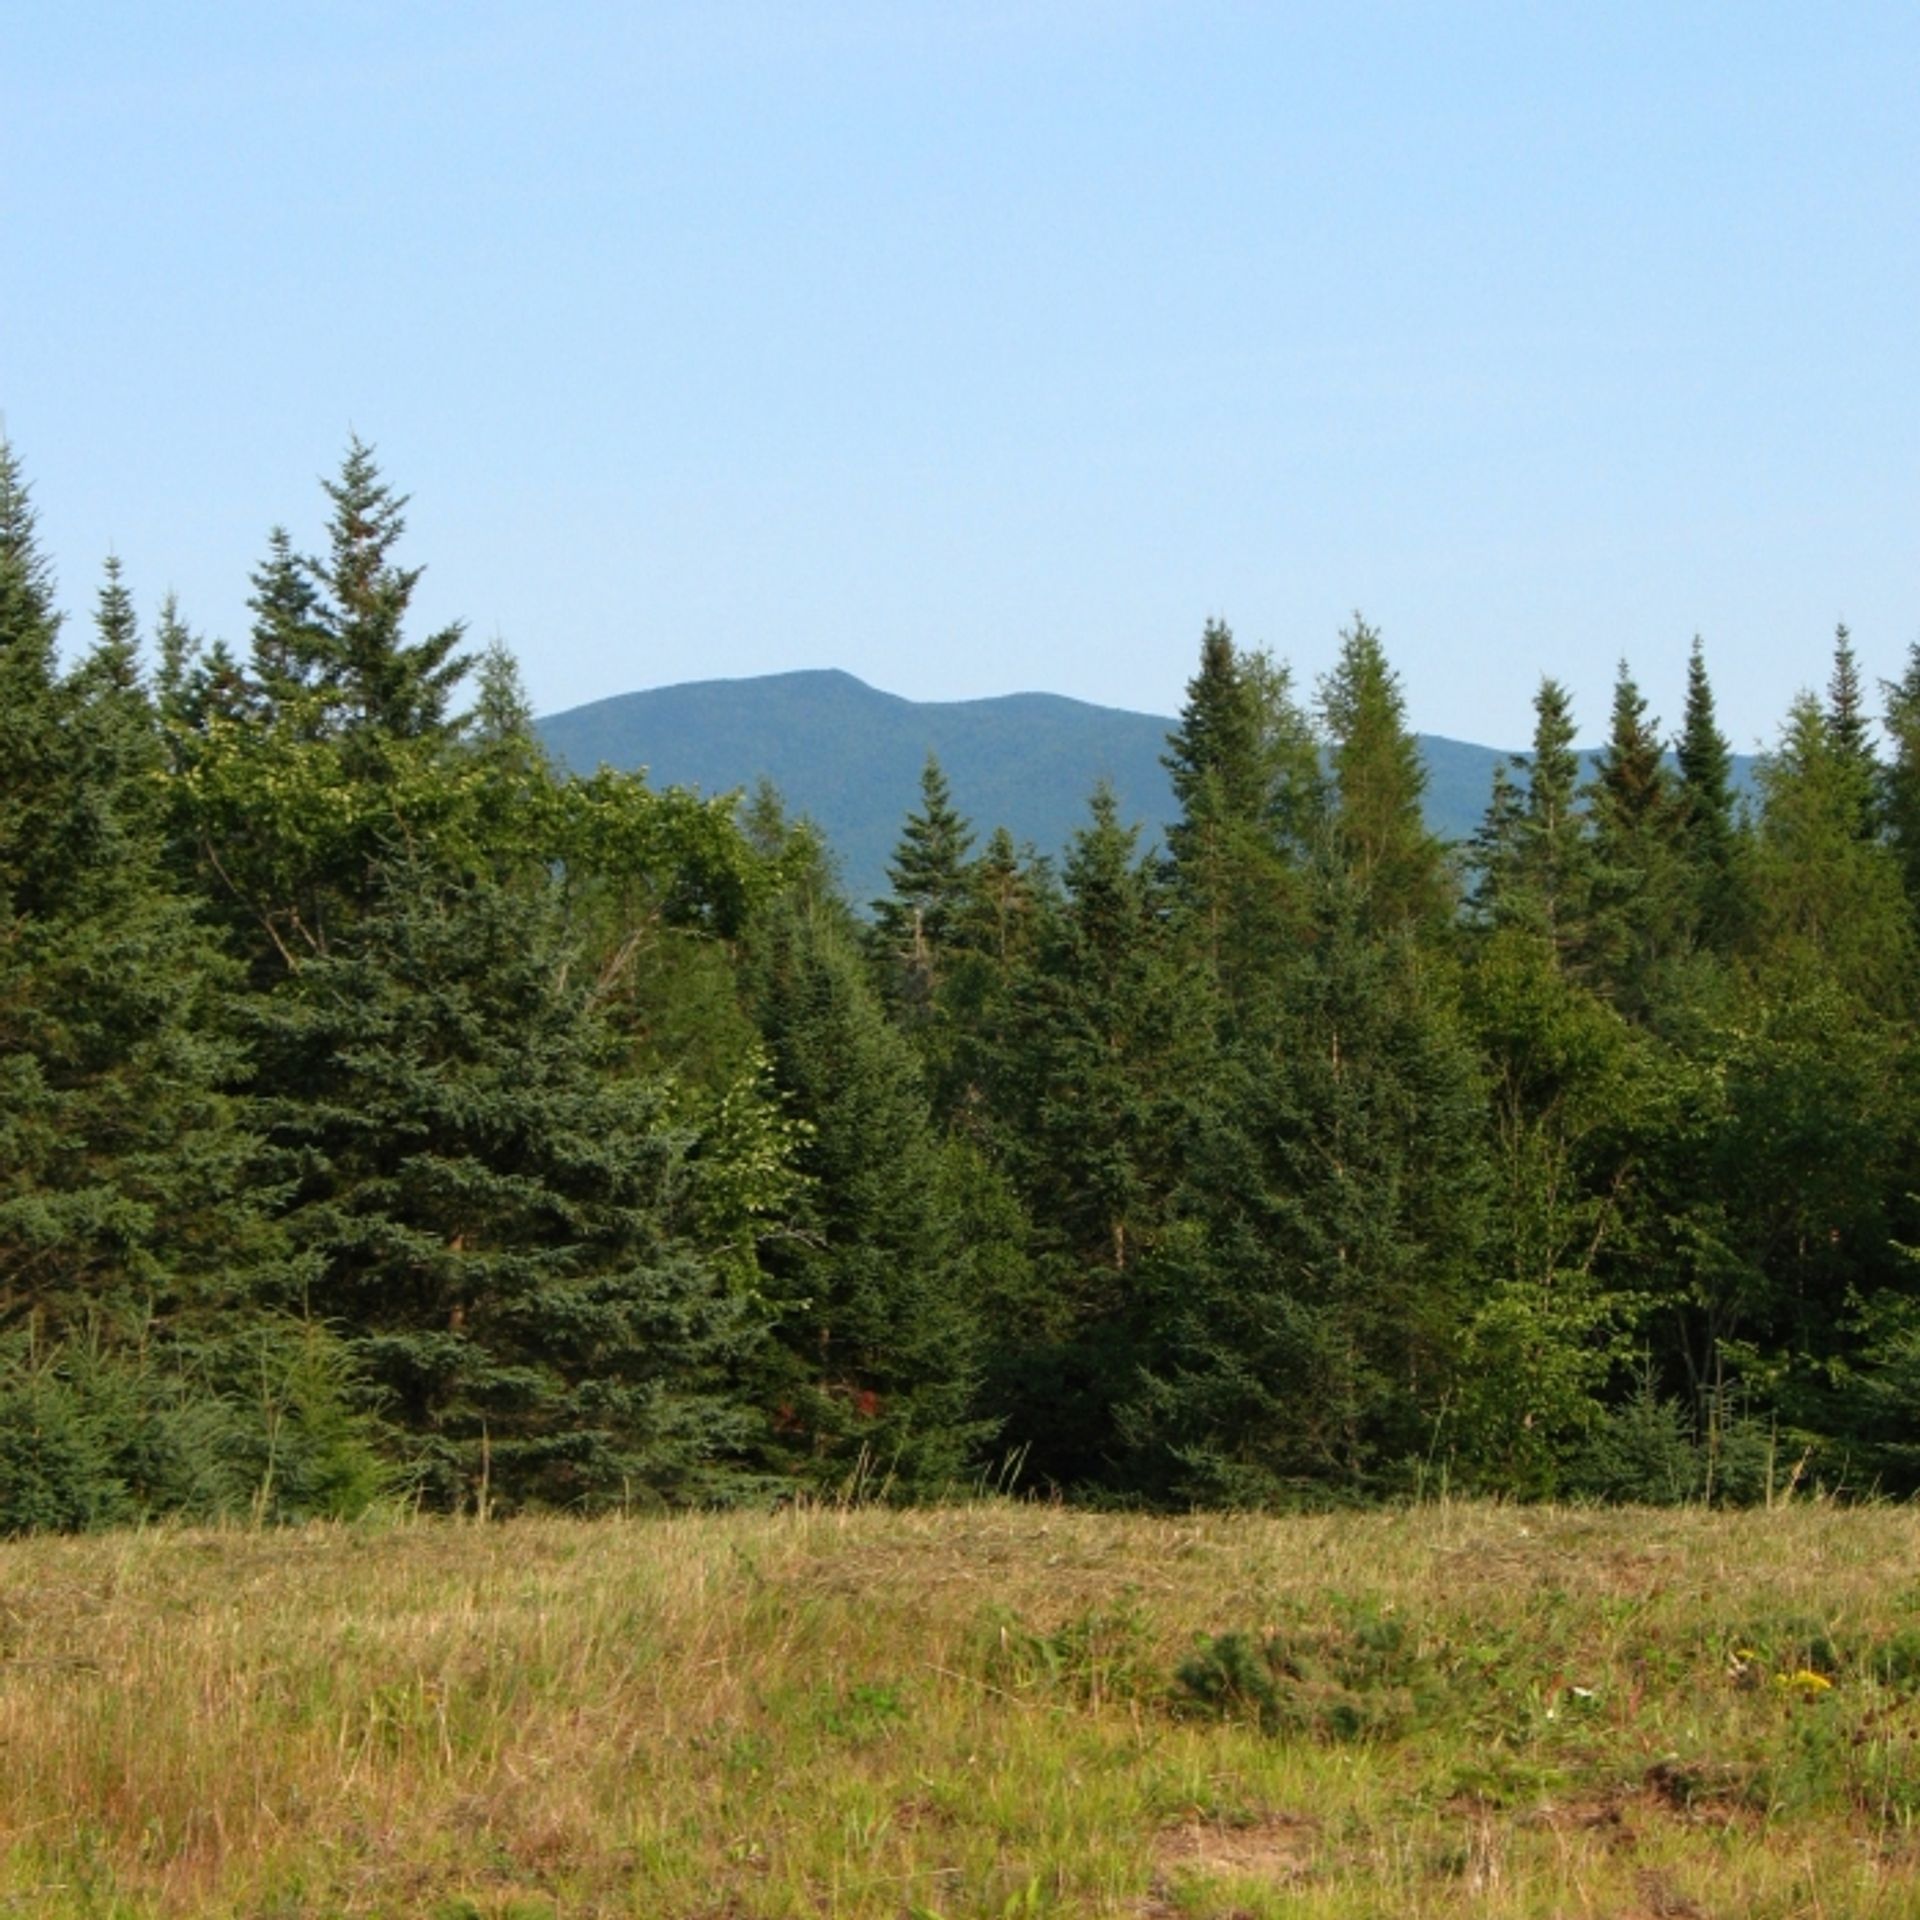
27,615
1846,712
1846,718
928,873
1706,760
501,708
292,653
1553,768
115,661
1213,755
386,684
1630,779
1379,782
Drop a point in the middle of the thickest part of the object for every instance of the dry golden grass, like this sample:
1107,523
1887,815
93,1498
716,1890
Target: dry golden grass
966,1712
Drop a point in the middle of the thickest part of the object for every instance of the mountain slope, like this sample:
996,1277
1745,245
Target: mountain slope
850,756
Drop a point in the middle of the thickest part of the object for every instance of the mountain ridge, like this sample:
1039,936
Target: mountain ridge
849,755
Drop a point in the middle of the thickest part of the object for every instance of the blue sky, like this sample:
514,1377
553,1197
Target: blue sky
978,347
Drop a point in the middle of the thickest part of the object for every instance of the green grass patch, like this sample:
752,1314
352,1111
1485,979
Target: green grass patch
969,1714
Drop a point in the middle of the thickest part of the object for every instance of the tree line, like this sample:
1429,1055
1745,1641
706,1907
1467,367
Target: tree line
387,1113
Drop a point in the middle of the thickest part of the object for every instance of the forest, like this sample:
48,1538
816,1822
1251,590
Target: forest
387,1115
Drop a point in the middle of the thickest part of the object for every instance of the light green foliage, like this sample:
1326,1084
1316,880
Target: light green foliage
1378,781
1576,1103
1826,892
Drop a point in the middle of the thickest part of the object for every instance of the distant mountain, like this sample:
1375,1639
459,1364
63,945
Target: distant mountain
850,756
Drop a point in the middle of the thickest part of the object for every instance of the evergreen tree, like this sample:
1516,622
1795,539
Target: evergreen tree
1901,788
1494,850
499,1215
1535,858
1112,1038
1846,708
301,774
292,656
1380,784
1709,836
1245,770
138,1272
879,1336
381,685
1639,901
999,910
1574,1105
995,935
928,876
1822,881
1214,756
1306,1311
1100,1059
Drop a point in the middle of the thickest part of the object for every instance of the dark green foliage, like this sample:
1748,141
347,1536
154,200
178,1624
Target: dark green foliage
1253,809
1640,906
1648,1450
876,1280
374,685
928,876
1546,882
1708,830
1847,722
1306,1323
264,1422
1361,1676
1900,780
498,1216
384,1109
125,1164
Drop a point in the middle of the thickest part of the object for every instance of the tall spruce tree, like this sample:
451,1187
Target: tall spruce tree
1900,793
1709,836
1822,880
1640,911
1306,1310
1380,783
1533,852
1245,772
499,1215
302,773
139,1275
381,685
1100,1063
1852,742
928,874
879,1350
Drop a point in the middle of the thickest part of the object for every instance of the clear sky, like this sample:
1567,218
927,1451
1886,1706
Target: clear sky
976,347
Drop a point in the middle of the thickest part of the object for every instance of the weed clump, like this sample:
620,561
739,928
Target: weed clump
1100,1653
1363,1676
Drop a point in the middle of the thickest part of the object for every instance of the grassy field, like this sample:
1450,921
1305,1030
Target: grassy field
986,1711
